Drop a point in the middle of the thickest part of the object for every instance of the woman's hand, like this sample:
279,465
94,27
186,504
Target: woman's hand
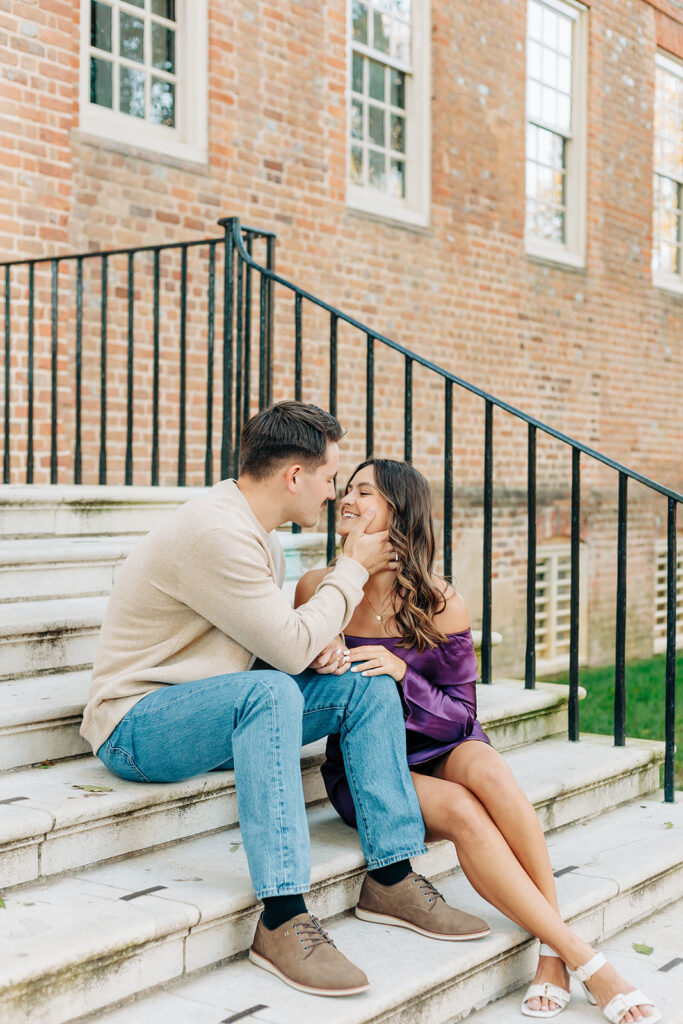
376,660
333,659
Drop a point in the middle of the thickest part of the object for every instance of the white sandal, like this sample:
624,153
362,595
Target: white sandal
620,1004
558,995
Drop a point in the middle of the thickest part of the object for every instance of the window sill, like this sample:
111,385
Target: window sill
139,140
377,208
668,283
555,255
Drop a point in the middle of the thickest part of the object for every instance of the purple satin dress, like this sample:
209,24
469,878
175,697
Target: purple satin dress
439,706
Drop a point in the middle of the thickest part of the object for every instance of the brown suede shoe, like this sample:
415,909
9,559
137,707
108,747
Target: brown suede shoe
415,903
300,953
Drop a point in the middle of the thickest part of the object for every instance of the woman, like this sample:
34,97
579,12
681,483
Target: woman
413,626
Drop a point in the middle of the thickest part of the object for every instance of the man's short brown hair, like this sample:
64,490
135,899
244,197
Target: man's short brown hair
286,432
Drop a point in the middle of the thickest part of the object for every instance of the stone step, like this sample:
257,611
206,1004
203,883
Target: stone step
659,974
81,944
37,637
40,717
75,813
64,511
42,568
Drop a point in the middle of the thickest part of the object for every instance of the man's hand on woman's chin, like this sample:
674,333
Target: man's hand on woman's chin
334,659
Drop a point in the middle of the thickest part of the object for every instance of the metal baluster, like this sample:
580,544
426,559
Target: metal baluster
369,396
262,353
574,598
130,382
331,505
239,317
620,643
228,274
246,404
670,707
297,365
155,374
298,370
6,462
31,306
530,660
183,367
53,372
448,481
103,375
270,263
408,411
208,460
79,368
488,546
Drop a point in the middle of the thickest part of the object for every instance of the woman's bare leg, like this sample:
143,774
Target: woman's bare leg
452,811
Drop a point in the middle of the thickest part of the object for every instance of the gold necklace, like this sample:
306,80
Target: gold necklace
378,615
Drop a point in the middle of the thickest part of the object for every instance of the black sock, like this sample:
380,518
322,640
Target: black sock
392,873
278,909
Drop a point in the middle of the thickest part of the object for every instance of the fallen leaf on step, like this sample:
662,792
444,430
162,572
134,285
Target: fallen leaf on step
642,947
235,847
2,903
46,764
668,824
95,789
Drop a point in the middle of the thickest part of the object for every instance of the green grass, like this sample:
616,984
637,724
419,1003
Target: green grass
645,684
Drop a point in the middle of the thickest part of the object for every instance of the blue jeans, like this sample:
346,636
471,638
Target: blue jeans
256,723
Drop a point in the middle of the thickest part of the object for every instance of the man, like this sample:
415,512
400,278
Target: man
172,692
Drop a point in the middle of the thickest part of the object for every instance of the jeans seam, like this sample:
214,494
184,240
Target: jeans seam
119,750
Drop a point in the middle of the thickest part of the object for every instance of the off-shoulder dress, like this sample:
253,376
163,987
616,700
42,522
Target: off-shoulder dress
439,706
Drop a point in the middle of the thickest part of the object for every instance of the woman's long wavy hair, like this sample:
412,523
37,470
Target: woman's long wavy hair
411,533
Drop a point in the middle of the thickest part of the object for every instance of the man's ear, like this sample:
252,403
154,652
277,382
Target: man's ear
291,474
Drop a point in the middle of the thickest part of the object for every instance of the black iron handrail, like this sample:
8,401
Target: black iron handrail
674,498
249,305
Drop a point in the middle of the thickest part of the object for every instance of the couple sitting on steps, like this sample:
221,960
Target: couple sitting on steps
175,692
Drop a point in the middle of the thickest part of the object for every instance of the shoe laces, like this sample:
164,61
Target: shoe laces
310,933
430,890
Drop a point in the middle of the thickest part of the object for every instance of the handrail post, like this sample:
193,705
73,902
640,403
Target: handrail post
54,313
210,327
131,378
155,371
228,275
574,598
670,701
448,481
79,368
487,547
620,639
530,659
102,476
6,455
369,395
408,412
31,324
331,505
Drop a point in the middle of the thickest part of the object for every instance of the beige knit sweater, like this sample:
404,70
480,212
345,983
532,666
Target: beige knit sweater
200,596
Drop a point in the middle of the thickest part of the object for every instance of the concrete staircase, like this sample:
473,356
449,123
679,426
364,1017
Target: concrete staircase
119,893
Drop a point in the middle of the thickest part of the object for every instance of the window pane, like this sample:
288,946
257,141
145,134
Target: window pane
401,42
564,36
356,165
376,125
101,91
132,92
164,8
100,26
360,21
534,55
398,141
398,89
136,3
376,80
357,73
356,120
550,20
377,173
564,74
132,43
398,179
548,105
549,67
533,100
534,19
162,103
381,31
163,48
564,118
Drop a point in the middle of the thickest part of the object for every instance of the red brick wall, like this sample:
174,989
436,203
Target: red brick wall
596,353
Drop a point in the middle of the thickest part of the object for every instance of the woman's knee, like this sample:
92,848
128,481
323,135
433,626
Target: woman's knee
465,817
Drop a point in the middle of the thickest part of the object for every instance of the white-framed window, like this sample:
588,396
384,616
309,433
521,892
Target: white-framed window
660,594
553,592
667,228
143,74
389,133
556,131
